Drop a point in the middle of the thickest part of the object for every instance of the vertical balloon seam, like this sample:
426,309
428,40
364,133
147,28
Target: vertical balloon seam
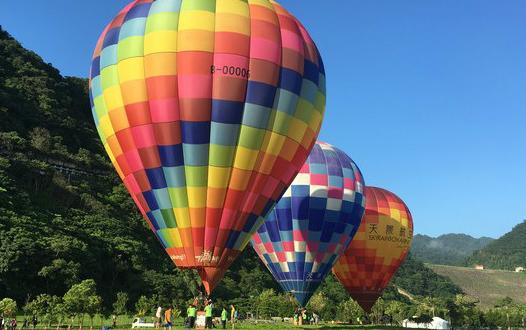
342,159
312,251
207,166
145,91
98,84
176,231
276,97
260,159
212,128
146,112
276,100
122,13
184,236
147,98
315,252
198,226
130,127
262,153
300,287
340,247
222,253
330,158
186,233
285,283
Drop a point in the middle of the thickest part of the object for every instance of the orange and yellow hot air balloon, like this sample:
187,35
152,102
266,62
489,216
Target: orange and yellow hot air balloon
207,109
378,249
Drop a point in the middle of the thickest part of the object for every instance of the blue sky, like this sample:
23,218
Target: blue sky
428,97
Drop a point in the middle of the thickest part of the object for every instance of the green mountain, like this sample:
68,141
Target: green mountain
507,252
449,249
66,217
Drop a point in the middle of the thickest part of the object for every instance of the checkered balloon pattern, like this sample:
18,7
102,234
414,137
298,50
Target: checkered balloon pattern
207,109
378,249
313,223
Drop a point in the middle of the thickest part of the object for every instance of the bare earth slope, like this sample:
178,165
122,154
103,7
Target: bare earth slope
488,286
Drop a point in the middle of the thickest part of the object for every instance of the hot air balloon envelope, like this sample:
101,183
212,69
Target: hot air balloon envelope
313,223
207,109
378,249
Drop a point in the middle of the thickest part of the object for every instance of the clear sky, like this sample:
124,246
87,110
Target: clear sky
428,97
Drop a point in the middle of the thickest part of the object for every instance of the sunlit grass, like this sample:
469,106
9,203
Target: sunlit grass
124,322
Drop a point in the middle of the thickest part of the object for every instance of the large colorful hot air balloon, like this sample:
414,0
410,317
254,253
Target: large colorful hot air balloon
207,109
378,249
313,223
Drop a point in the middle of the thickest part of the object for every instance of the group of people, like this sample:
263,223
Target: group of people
11,324
166,319
7,324
209,315
301,317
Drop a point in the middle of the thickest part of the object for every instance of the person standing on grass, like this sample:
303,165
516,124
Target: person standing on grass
34,322
223,317
233,315
191,313
158,315
208,315
168,317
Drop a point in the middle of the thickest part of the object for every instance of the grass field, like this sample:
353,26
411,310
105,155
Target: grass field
125,323
488,286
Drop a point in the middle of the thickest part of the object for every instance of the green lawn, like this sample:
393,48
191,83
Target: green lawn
125,323
325,326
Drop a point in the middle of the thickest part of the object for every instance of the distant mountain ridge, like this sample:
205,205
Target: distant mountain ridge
448,249
507,252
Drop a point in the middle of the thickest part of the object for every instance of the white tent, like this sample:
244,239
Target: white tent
437,323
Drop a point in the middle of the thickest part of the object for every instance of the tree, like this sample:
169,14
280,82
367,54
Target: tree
120,305
81,299
145,306
350,311
44,307
8,307
269,304
506,305
264,303
93,307
463,311
432,307
378,311
41,139
398,311
317,303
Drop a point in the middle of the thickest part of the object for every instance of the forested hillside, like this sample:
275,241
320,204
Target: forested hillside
449,249
507,252
65,216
